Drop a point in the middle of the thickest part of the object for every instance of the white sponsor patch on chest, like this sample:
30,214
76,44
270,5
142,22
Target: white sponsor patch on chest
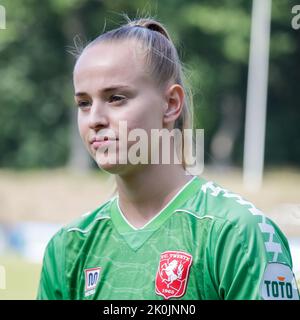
92,276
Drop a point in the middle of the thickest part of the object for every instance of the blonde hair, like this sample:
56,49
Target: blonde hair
161,59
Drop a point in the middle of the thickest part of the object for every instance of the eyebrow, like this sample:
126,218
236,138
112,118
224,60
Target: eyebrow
105,90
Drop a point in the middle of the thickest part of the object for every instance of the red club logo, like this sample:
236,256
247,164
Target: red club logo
172,274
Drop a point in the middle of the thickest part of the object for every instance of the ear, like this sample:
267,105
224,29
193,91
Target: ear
174,103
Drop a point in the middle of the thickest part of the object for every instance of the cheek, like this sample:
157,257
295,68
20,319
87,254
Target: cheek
83,127
145,115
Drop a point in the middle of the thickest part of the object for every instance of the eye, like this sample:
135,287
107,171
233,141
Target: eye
82,104
116,98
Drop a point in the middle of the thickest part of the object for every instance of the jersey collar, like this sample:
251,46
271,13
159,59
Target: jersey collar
136,237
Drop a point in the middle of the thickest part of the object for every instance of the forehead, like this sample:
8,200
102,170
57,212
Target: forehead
110,62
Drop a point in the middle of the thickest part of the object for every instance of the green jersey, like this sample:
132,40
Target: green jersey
206,243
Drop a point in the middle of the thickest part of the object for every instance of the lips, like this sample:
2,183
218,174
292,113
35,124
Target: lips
98,142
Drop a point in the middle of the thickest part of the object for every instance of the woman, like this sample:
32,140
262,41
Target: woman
167,234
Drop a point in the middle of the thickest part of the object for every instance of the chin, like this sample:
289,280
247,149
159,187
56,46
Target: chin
118,169
110,165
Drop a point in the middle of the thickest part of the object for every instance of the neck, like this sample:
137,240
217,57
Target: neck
143,194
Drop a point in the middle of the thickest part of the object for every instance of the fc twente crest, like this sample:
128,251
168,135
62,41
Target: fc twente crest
172,274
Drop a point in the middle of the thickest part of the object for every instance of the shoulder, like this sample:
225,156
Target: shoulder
83,224
250,223
249,250
230,206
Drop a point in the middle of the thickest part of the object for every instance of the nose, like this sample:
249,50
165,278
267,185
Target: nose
98,117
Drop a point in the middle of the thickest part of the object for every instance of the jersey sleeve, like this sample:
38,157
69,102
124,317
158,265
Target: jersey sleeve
252,261
51,286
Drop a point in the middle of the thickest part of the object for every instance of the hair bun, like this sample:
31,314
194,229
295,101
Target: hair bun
151,24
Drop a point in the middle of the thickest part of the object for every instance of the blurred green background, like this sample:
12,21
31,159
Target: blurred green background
213,40
43,164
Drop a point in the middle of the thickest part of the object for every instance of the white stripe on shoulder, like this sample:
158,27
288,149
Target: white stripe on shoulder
194,215
266,228
87,230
